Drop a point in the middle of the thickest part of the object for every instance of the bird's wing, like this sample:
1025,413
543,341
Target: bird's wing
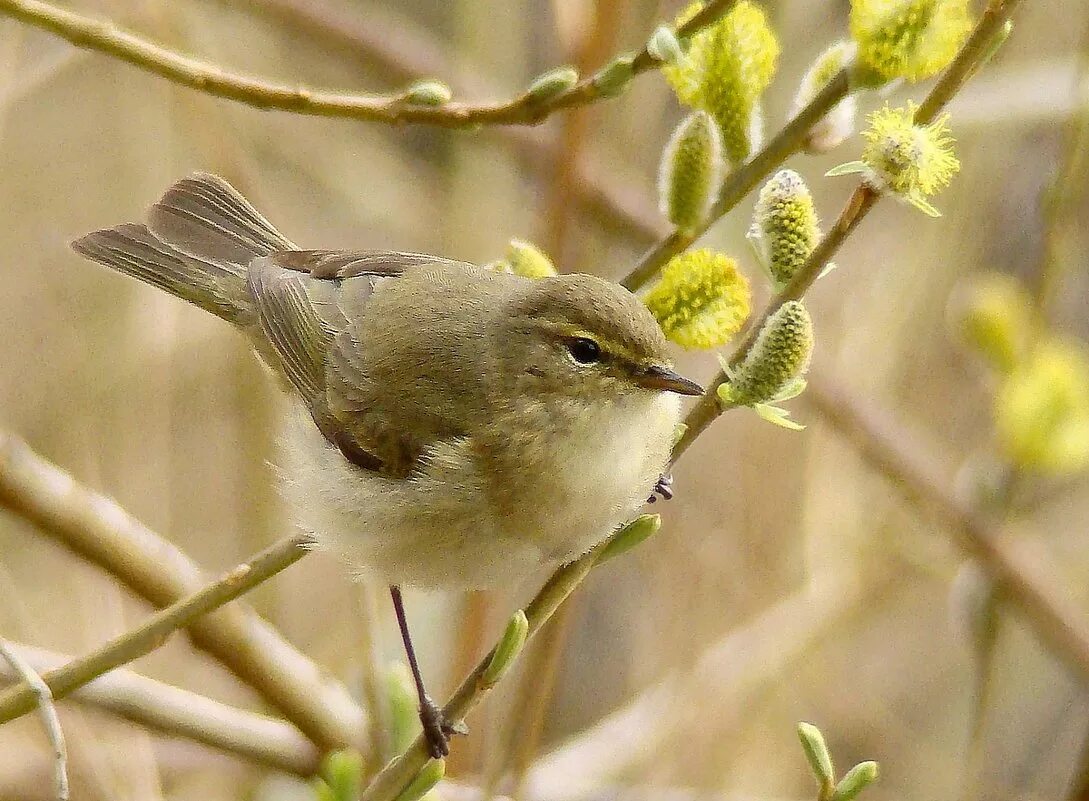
307,302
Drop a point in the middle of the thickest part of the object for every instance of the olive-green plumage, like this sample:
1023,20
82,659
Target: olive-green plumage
460,426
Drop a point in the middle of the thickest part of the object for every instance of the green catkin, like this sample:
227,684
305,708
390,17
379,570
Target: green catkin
785,225
779,356
691,171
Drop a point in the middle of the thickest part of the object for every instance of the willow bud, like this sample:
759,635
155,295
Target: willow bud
785,229
691,171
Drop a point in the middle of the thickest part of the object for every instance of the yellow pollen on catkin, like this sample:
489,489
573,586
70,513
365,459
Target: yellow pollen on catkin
701,300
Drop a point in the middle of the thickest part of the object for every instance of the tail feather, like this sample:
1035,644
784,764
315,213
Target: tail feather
133,250
200,238
205,216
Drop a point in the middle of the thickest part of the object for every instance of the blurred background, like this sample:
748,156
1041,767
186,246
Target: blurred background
789,582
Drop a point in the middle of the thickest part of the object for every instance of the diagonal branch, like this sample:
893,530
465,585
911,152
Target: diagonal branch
1022,575
525,109
20,699
99,530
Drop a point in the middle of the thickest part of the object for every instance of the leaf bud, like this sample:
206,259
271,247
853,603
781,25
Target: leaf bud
857,779
427,92
510,645
632,534
551,84
816,753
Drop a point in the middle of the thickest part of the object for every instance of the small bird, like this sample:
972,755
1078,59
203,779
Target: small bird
457,427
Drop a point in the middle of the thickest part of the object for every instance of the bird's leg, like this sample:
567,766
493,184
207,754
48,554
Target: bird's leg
436,728
663,486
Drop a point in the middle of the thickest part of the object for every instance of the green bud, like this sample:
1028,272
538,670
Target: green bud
341,775
404,719
510,645
778,358
614,77
701,300
663,45
785,229
632,534
839,123
552,84
429,775
527,260
816,753
691,171
428,92
857,779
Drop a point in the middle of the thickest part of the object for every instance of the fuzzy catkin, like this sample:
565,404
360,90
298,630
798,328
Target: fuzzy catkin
780,355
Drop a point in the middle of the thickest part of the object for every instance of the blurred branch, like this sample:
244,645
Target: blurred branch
1026,578
47,711
150,635
100,531
749,656
180,713
525,109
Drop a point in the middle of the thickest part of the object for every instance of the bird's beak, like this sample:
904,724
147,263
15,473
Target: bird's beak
657,377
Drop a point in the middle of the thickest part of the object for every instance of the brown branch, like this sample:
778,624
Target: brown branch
525,109
20,699
97,529
179,713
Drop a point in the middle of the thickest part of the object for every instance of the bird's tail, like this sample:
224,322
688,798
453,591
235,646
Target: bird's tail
197,243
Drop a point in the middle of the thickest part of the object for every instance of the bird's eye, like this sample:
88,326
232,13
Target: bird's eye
584,350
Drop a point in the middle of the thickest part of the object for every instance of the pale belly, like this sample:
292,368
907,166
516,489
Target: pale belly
441,528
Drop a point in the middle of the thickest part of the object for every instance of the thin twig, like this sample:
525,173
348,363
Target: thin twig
180,713
525,109
97,529
150,635
46,711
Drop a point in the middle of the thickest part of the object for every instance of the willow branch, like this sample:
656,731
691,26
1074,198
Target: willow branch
97,529
179,713
47,711
525,109
862,200
742,181
150,635
404,52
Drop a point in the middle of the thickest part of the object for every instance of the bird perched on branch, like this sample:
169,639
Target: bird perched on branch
461,426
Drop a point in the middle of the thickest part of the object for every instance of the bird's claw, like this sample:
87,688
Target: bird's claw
664,487
437,729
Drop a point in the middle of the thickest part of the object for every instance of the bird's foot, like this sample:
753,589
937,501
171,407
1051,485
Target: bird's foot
663,486
437,729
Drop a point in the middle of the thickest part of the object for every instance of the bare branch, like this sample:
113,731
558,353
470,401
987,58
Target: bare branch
179,713
155,630
48,713
525,109
99,530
